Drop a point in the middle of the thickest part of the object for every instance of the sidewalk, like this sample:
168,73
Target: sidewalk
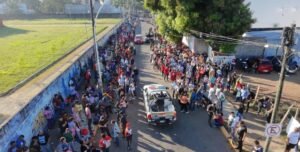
255,125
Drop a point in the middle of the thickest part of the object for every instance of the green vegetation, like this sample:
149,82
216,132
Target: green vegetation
136,4
224,17
44,6
29,45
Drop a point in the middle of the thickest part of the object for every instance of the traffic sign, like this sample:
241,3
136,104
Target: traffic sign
273,130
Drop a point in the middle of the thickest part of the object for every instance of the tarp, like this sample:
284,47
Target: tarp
195,45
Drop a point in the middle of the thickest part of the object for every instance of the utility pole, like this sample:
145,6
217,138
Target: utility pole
99,81
287,43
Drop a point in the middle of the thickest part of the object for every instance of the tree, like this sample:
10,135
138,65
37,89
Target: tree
224,17
13,6
126,3
54,6
33,4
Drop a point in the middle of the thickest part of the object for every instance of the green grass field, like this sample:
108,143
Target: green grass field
29,45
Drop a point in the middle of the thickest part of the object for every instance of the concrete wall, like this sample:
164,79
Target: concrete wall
30,119
196,45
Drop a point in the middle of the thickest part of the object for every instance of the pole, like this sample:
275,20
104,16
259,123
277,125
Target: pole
99,81
286,114
287,42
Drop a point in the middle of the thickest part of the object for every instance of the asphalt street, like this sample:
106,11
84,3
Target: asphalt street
189,133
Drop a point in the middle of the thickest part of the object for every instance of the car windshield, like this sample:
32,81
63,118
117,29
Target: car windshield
158,95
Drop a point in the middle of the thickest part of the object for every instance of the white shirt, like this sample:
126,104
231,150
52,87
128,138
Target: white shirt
126,82
211,91
221,96
121,81
293,137
230,118
218,90
219,72
244,93
235,121
174,85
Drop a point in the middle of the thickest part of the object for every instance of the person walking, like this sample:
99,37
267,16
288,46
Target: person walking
115,132
211,110
128,135
292,139
104,143
88,114
221,98
193,99
49,115
257,147
43,141
241,132
184,103
63,146
34,145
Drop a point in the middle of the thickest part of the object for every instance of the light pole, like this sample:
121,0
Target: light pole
99,81
287,43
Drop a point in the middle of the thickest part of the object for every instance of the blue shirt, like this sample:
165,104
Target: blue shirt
193,96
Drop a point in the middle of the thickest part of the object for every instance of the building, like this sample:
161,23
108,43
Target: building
267,37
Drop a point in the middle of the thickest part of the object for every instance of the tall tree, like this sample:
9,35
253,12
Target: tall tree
54,6
224,17
33,4
126,3
13,6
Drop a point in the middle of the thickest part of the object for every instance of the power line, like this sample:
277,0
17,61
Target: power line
227,39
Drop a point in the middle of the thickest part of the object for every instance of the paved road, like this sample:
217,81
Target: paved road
190,133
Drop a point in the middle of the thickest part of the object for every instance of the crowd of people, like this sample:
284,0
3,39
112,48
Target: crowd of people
92,115
98,113
199,83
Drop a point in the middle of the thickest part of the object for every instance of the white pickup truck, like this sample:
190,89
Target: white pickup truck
158,105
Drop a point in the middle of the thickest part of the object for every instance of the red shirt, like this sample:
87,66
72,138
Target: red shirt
166,71
163,68
102,141
88,75
173,76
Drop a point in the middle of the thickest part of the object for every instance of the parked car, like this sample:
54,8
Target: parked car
158,105
264,66
291,68
149,38
138,39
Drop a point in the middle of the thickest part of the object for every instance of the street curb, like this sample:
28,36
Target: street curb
227,136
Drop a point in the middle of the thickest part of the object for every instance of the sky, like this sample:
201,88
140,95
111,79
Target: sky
270,12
